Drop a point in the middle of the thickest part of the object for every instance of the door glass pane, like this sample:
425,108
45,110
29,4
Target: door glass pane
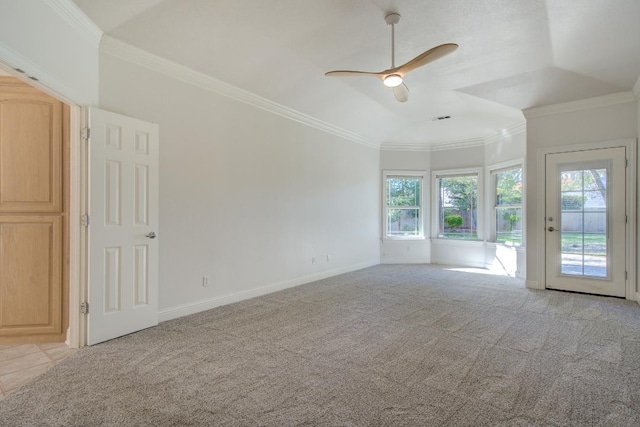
583,195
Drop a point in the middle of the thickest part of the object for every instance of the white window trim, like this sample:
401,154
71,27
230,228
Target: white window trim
435,214
423,198
491,197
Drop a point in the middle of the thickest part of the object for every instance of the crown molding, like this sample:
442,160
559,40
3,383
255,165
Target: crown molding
454,145
135,55
404,146
636,89
506,133
75,17
581,104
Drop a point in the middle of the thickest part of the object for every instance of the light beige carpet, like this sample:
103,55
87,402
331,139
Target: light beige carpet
413,345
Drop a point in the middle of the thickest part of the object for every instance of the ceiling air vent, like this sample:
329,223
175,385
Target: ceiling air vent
435,119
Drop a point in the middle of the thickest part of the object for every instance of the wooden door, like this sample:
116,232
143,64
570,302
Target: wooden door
33,214
123,248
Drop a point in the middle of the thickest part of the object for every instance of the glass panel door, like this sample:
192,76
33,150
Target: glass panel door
585,221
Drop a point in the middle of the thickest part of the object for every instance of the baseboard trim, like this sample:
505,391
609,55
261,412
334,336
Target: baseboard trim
458,263
405,261
203,305
532,284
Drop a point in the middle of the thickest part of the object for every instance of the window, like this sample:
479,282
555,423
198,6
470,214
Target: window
507,214
457,204
403,205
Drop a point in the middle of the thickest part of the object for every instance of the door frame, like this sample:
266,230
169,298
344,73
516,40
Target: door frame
77,232
630,144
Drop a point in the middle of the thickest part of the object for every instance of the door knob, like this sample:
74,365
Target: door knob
550,228
151,235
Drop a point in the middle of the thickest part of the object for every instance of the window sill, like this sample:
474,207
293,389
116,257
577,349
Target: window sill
403,239
457,242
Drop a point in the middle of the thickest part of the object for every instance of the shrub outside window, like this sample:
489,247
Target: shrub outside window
457,204
403,208
508,205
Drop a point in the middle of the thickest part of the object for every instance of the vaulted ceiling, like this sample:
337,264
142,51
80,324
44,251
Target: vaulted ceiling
513,55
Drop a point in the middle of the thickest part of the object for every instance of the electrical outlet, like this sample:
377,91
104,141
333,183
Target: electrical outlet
313,260
205,281
328,257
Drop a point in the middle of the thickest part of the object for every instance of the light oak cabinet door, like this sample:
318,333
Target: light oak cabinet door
30,275
33,214
30,151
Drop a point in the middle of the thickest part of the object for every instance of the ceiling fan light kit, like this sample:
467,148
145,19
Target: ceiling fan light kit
394,76
392,80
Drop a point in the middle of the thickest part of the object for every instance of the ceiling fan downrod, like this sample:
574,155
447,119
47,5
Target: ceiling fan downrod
392,19
393,80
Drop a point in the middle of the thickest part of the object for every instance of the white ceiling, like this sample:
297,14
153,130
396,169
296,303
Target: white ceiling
513,54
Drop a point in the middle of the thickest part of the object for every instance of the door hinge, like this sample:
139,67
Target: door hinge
626,163
84,308
86,220
626,219
625,275
86,133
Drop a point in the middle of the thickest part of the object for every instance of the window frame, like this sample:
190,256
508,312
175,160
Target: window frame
449,173
492,171
422,175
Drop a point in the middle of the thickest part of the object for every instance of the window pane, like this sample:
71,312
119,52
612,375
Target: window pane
509,187
403,200
458,207
508,219
509,225
403,222
403,191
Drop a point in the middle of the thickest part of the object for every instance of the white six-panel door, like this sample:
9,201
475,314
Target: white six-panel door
122,234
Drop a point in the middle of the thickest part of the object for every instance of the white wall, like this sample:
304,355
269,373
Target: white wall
247,197
467,157
599,124
407,251
48,40
505,148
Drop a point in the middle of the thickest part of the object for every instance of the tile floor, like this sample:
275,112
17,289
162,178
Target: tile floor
19,363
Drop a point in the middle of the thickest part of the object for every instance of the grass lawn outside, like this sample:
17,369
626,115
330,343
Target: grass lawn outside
587,243
460,236
513,237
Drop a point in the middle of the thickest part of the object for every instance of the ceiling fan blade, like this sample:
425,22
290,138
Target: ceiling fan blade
353,73
427,57
401,92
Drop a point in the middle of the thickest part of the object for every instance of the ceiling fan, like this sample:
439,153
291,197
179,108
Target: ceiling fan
393,77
